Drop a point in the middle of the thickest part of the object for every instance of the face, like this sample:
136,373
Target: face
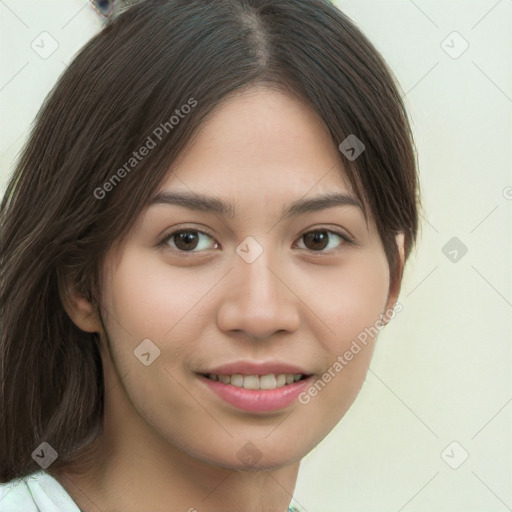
251,291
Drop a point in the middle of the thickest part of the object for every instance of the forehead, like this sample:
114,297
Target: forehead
260,142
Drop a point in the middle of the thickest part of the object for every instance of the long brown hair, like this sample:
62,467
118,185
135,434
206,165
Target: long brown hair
68,201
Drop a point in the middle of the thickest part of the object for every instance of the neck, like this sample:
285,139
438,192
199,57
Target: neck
130,483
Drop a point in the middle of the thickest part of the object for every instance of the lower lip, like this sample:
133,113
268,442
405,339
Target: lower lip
255,400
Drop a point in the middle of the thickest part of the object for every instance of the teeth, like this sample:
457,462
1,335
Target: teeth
236,380
269,381
280,381
251,382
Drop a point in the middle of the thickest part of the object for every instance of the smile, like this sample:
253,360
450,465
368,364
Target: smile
248,392
270,381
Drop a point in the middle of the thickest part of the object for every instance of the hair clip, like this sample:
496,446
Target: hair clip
105,8
110,9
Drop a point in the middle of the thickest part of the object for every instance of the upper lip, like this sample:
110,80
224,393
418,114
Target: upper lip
255,368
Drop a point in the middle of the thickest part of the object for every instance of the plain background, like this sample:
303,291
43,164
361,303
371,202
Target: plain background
439,386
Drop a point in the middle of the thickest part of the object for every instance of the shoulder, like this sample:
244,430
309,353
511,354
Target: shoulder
15,496
37,492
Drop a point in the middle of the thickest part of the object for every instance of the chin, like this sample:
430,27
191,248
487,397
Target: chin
252,457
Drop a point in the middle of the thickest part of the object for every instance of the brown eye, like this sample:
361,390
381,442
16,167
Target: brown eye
185,240
316,240
320,239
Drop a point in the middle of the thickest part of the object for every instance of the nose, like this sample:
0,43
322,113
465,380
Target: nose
258,301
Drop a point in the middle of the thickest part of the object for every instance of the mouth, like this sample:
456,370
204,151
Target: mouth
257,382
268,393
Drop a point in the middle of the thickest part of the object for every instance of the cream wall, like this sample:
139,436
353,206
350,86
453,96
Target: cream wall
441,371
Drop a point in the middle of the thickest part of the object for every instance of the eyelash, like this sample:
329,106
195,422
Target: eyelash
163,243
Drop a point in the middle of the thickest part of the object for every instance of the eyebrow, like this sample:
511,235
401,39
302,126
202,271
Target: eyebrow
199,202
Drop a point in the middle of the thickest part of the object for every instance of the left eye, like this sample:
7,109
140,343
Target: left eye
190,239
185,240
320,238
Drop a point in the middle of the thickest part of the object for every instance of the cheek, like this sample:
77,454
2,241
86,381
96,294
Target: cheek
365,291
349,298
350,304
149,298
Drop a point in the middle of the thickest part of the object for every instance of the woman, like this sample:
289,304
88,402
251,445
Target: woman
204,235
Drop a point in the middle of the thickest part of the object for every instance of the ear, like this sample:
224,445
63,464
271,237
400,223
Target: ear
396,279
79,308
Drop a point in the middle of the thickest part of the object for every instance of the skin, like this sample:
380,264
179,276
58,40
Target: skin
168,441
